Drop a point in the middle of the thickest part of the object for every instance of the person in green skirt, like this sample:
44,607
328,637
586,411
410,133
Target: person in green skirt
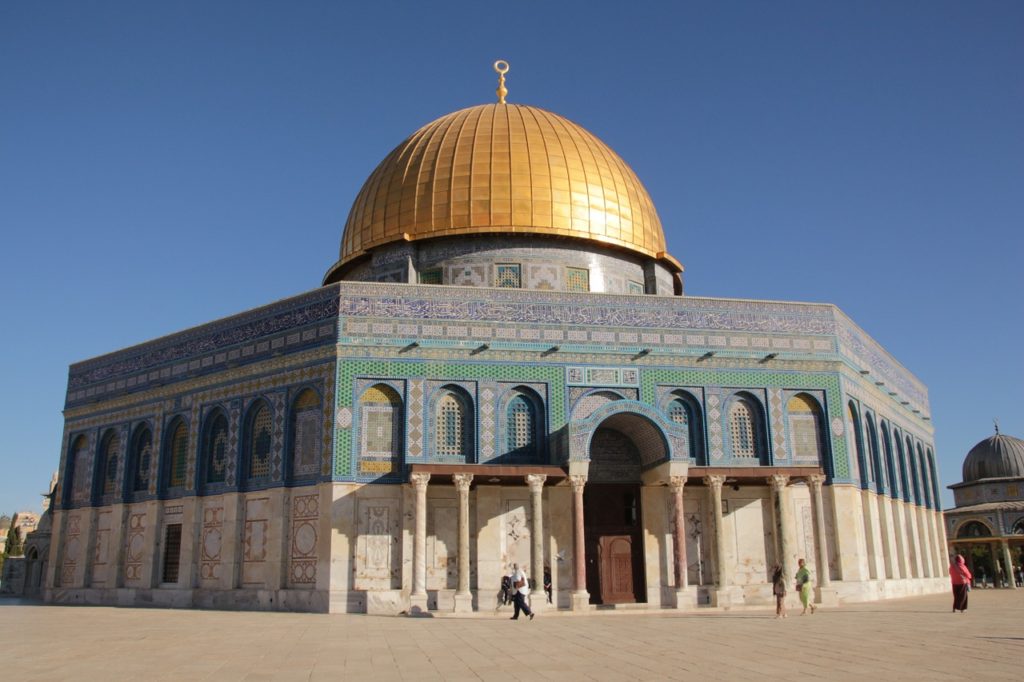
803,586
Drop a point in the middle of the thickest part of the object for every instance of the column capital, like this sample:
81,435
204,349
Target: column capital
714,482
676,483
577,481
778,482
462,482
816,481
536,482
419,480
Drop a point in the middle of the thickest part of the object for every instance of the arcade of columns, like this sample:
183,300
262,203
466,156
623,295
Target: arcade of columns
782,517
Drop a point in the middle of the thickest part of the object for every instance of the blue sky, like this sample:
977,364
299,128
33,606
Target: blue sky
165,164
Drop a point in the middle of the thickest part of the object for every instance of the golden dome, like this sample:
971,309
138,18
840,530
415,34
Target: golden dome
499,169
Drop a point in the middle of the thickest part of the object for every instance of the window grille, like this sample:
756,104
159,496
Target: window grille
179,456
451,427
636,288
143,460
259,443
306,434
521,427
508,276
431,277
741,430
172,553
577,279
110,464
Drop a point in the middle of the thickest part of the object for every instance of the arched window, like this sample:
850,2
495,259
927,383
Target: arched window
106,482
77,478
380,414
877,467
683,410
306,437
177,455
853,418
259,440
522,427
973,529
215,448
890,462
1018,527
915,477
142,456
805,428
934,476
453,428
926,486
901,463
745,428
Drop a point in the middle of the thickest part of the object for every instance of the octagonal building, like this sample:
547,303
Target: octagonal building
500,368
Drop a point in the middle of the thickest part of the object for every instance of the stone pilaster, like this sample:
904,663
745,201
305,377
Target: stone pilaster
418,597
824,593
538,600
463,597
676,485
580,596
723,576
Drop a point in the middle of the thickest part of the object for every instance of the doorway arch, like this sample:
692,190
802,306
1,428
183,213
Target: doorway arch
621,446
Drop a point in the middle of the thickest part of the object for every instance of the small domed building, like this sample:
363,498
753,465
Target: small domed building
987,524
501,367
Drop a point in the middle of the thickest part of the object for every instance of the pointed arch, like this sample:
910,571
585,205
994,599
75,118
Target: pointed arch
892,478
857,433
522,426
915,478
176,455
684,409
141,457
453,425
106,470
805,420
874,459
926,486
901,463
259,440
745,426
381,420
305,435
76,480
973,529
215,448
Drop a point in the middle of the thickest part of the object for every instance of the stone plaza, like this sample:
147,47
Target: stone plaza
915,638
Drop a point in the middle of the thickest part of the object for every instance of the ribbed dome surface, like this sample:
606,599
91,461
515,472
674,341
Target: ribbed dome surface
998,456
503,168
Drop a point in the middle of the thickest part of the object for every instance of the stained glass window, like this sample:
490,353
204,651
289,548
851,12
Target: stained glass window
508,275
142,457
179,456
521,426
306,434
636,288
217,450
577,279
259,443
741,429
110,453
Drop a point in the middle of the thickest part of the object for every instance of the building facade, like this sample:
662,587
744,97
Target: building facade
501,367
987,524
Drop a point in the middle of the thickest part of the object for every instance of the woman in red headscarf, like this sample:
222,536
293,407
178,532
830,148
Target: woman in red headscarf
961,577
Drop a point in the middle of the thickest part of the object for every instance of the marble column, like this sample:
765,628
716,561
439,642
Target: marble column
418,598
783,525
463,597
722,572
676,484
1011,581
823,593
538,600
580,596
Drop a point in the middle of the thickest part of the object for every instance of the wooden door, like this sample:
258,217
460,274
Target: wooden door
616,552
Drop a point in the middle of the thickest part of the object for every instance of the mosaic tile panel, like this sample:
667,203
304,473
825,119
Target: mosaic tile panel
776,420
439,373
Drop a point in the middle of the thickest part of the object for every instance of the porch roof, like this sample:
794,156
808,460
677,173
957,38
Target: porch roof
490,473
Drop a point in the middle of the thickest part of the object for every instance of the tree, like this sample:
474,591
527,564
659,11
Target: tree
15,545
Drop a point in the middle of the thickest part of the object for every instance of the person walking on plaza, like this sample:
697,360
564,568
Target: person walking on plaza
779,590
521,588
960,577
803,586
